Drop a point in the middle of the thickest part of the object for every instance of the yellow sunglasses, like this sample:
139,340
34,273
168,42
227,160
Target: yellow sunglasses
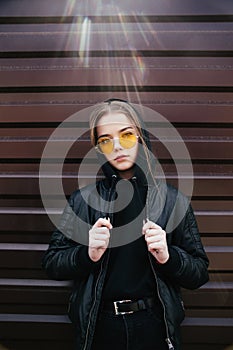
127,139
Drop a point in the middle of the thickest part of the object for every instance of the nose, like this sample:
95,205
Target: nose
116,144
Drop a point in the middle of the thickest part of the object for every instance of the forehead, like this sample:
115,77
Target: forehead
113,121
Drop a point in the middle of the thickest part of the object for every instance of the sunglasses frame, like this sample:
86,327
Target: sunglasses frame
112,141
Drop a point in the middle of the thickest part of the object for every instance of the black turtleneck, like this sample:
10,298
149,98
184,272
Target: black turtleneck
129,274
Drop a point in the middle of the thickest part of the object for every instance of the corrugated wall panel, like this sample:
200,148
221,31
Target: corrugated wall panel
173,57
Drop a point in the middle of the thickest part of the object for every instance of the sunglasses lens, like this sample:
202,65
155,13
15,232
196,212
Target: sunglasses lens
128,139
105,145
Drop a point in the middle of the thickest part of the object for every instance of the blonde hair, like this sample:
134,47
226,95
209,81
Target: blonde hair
116,106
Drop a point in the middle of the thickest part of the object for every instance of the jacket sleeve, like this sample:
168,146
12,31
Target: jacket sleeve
65,259
188,263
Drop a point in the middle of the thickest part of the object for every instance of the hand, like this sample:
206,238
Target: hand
99,238
156,241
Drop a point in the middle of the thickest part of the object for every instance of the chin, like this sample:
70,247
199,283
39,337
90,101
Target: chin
123,167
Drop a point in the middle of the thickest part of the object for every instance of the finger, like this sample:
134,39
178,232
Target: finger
145,227
100,237
152,239
154,247
98,244
150,225
103,222
101,230
153,232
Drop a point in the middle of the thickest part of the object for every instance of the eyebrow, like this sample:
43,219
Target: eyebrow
105,135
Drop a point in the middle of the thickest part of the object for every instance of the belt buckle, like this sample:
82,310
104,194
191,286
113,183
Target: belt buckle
117,312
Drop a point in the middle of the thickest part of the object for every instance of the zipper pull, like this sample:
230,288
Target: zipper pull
169,343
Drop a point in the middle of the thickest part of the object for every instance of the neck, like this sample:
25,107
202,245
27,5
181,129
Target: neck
126,174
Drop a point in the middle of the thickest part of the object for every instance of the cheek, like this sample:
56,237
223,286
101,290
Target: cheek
134,153
108,157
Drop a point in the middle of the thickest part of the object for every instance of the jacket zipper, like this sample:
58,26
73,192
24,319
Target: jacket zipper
93,306
101,269
168,340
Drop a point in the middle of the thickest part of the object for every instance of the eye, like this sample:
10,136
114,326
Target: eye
127,134
104,140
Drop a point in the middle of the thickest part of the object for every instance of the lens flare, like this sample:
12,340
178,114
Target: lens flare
84,44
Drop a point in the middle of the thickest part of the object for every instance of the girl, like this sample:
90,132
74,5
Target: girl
115,244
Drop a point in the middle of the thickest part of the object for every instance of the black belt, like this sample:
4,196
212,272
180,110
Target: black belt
122,307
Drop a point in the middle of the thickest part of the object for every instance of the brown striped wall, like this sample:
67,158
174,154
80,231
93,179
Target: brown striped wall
175,57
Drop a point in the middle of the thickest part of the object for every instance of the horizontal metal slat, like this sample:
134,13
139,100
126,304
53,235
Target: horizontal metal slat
127,24
147,8
31,166
23,291
45,344
72,41
212,294
30,255
117,76
22,184
38,283
60,111
198,148
37,221
36,131
208,330
44,237
135,94
185,63
215,275
58,327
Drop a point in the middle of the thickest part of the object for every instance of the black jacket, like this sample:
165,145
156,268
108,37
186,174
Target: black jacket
66,259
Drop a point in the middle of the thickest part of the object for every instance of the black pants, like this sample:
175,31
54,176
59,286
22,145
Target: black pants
142,330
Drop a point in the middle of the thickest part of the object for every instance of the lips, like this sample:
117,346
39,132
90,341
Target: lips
120,158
